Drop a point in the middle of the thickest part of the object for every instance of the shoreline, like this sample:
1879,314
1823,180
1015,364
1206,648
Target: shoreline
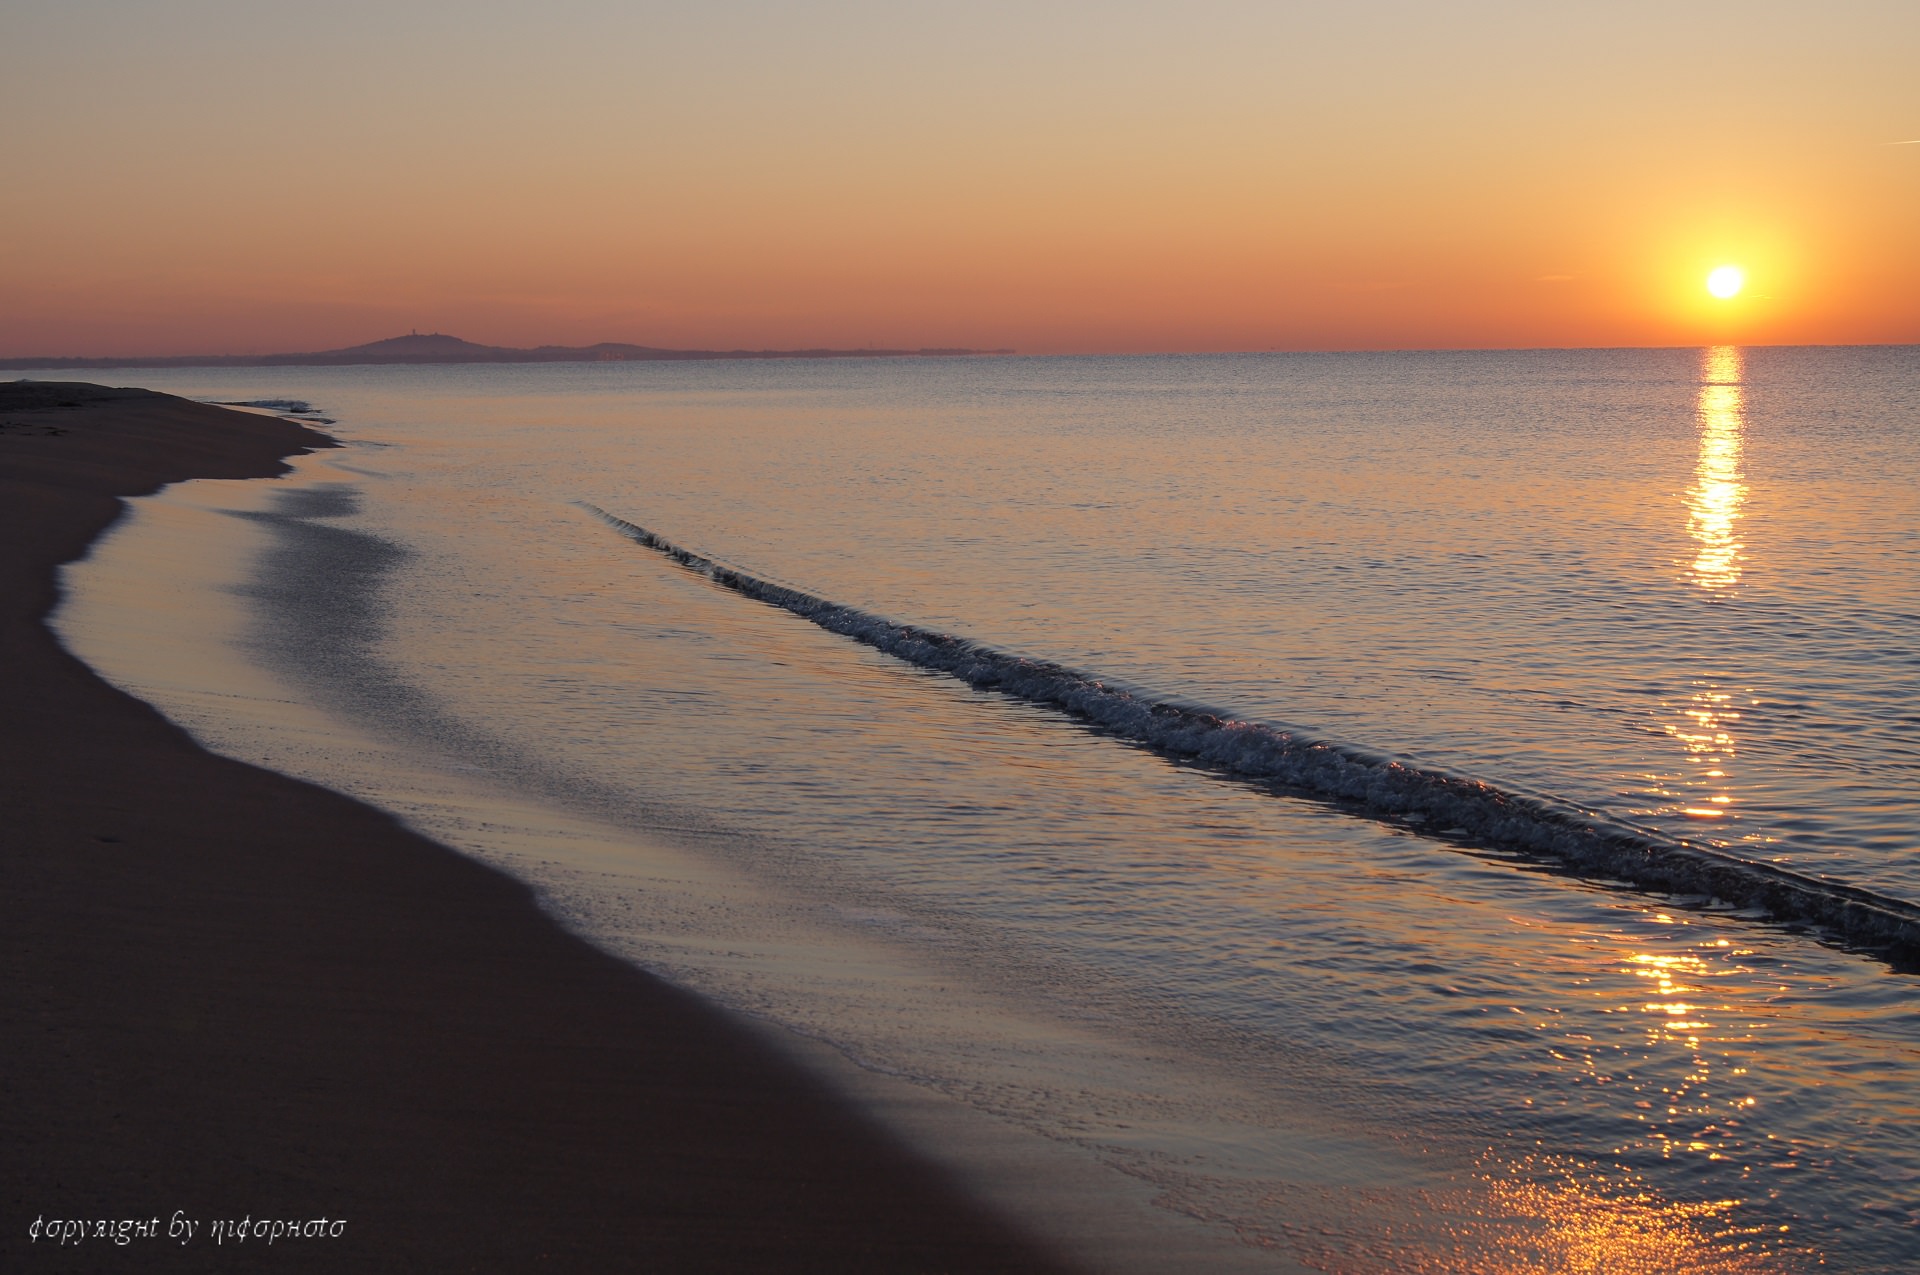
234,994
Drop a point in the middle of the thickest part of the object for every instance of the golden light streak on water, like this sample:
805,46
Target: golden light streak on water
1548,1215
1714,504
1685,1099
1705,732
1715,500
1577,1226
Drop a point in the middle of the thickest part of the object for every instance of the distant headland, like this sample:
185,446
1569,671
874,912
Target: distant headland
435,347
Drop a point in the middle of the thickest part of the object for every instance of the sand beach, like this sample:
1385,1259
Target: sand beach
233,998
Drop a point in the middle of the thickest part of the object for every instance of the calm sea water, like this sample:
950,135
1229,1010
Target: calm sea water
1673,595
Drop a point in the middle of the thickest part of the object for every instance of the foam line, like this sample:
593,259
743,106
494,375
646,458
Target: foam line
1375,785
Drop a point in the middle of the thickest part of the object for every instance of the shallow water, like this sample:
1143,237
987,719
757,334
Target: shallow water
1677,592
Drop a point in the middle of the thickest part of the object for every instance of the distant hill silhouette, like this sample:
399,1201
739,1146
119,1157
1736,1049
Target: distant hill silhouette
436,347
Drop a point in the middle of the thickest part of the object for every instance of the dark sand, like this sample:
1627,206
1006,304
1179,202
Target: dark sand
228,993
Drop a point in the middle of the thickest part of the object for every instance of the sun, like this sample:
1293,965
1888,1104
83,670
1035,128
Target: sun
1726,281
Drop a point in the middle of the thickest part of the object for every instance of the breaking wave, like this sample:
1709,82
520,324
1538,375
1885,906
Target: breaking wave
1455,807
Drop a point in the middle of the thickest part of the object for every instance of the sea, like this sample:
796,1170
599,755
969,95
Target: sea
1361,812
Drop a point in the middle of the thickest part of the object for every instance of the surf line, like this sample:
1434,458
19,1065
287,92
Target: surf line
1580,842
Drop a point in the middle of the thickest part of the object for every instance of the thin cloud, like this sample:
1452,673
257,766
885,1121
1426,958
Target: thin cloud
1912,142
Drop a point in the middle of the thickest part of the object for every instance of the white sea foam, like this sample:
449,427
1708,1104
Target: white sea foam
1367,783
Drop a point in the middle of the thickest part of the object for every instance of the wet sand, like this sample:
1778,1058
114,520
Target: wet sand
231,995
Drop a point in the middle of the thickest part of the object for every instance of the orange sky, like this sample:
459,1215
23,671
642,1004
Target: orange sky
217,176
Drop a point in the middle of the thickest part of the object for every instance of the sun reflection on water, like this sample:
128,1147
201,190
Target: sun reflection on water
1687,1111
1714,501
1703,725
1587,1222
1660,1135
1705,731
1551,1215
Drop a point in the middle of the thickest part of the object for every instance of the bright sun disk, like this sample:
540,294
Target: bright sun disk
1726,281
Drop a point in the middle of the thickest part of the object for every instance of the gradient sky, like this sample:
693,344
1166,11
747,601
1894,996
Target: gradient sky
203,175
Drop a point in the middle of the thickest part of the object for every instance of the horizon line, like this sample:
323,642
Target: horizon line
669,354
